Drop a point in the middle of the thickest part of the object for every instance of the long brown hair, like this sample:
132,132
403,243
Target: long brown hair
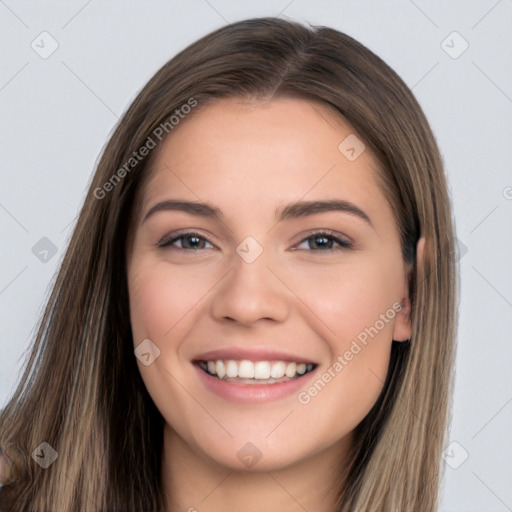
81,391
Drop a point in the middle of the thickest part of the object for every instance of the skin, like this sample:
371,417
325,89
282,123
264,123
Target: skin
249,159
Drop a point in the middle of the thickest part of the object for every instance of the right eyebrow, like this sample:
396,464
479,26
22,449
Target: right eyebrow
190,207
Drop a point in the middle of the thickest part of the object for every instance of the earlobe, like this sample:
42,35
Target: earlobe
403,325
420,247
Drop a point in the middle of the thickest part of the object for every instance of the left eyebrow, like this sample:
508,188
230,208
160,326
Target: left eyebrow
305,208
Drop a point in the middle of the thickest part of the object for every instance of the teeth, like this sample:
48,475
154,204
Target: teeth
220,369
278,370
256,370
301,368
261,370
291,369
246,370
231,369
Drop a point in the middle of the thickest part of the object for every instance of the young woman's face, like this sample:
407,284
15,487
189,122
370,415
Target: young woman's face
267,250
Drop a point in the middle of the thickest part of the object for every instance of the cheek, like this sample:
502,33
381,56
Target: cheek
148,295
161,301
356,305
161,310
353,298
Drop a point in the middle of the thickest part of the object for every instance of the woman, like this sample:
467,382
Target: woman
257,306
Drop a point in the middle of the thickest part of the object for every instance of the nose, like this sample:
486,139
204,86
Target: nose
251,292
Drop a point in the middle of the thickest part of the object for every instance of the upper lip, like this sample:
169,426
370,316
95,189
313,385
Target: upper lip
250,354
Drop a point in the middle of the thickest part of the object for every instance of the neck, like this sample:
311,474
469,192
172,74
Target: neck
194,482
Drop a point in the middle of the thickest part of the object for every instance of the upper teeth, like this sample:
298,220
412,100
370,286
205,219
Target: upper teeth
255,369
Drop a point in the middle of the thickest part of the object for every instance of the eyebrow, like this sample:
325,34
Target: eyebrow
190,207
305,208
290,211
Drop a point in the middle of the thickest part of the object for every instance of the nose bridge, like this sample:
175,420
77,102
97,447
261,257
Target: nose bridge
250,270
251,291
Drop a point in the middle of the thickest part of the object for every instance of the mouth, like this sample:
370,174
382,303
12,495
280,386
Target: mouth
255,372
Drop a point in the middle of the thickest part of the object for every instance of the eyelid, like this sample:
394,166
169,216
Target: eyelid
169,238
344,241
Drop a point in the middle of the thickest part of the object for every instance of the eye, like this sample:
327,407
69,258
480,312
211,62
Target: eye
185,240
191,241
324,241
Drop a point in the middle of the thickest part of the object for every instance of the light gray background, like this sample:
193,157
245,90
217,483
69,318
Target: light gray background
57,113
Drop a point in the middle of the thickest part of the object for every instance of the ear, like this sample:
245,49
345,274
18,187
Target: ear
402,330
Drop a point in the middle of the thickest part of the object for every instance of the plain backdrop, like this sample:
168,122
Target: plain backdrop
58,109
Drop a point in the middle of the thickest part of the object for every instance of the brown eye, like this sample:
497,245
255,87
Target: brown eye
185,241
324,242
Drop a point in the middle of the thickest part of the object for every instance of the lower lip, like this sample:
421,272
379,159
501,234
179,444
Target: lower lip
243,393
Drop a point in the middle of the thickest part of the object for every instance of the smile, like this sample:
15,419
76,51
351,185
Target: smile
255,372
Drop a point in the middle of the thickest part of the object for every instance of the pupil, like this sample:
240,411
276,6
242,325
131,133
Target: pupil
322,241
191,242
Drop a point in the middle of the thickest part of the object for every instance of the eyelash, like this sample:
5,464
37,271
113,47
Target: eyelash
169,240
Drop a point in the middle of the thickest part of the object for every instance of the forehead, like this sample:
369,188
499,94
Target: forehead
263,153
